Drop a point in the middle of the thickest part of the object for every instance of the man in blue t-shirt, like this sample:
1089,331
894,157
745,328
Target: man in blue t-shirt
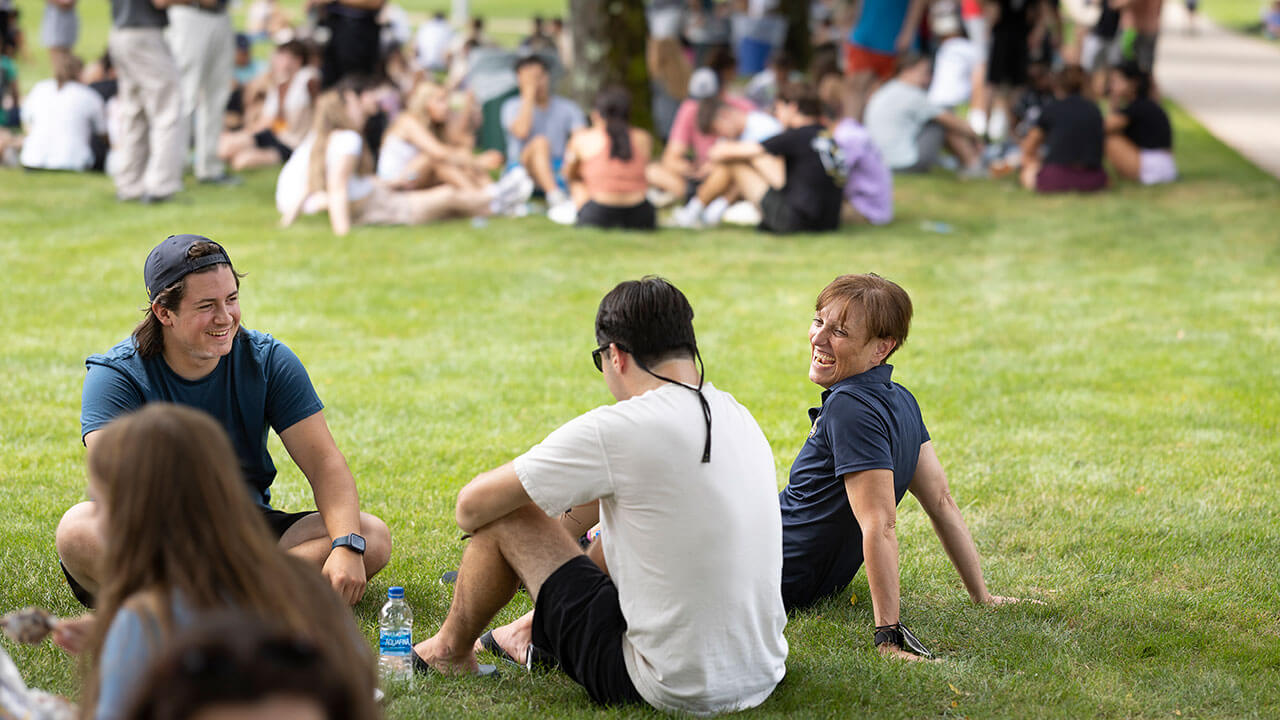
868,445
190,349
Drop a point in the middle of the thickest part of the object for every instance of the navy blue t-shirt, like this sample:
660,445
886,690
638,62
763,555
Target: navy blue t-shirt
866,422
260,384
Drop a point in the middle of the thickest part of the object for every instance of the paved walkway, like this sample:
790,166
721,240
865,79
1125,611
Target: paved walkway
1229,82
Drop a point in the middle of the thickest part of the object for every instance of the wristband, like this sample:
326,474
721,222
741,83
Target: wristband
899,635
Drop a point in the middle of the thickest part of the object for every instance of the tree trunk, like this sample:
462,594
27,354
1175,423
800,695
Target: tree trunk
798,44
609,38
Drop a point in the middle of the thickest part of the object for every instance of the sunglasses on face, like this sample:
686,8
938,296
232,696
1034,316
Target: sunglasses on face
598,352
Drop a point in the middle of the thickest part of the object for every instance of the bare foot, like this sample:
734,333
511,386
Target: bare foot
515,638
436,653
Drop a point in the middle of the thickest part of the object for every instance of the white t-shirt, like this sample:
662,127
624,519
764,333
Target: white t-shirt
694,548
760,126
291,186
953,72
59,123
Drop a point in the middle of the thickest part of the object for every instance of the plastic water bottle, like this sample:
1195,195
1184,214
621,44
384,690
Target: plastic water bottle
395,637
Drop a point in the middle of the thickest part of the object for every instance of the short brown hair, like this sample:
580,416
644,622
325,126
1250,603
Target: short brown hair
148,335
804,96
884,304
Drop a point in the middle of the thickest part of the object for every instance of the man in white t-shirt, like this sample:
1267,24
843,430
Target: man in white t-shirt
689,615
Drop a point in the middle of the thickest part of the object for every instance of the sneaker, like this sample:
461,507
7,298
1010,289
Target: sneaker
687,216
714,212
660,198
513,191
563,214
742,213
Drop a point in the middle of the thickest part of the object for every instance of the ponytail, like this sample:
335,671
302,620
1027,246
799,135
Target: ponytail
614,106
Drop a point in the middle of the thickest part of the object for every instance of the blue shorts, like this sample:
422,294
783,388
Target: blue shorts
557,169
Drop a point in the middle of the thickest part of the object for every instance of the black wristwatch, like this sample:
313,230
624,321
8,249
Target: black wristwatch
899,635
352,542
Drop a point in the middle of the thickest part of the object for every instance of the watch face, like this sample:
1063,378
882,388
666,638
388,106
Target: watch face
357,543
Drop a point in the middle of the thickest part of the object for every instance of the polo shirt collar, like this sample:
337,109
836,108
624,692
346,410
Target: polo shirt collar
878,375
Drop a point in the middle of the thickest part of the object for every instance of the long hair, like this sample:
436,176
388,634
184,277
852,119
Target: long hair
148,334
179,521
418,107
614,105
330,115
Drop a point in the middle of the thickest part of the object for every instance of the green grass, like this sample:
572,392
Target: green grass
1099,375
1236,14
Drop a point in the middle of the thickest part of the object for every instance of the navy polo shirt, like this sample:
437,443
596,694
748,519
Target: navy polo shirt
866,422
260,384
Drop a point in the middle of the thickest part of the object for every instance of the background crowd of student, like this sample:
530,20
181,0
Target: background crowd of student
375,121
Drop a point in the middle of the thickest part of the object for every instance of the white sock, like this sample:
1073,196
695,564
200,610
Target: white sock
715,211
556,196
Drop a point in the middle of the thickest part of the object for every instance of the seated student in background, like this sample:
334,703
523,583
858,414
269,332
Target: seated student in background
538,125
725,121
912,132
191,349
1070,133
62,117
239,666
271,133
868,186
605,165
684,159
332,171
1139,135
419,151
177,553
806,193
867,446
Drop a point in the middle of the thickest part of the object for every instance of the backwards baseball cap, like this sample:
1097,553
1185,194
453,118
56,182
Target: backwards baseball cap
703,83
169,262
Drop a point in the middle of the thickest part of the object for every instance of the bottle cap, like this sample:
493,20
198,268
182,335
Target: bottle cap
395,592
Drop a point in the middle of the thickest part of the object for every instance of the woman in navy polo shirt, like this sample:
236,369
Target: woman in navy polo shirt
867,447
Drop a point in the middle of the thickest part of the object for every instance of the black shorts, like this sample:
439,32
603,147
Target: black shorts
636,217
267,140
280,521
777,216
578,620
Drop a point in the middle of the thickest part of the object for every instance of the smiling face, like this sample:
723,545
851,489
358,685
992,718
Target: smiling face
203,327
839,346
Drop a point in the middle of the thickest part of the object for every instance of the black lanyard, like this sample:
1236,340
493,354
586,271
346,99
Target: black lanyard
706,407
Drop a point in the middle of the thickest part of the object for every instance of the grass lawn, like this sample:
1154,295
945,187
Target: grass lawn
1099,375
1236,14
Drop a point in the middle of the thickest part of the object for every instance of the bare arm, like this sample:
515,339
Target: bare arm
871,499
522,125
910,25
1116,122
930,487
489,496
1031,144
727,150
312,448
952,122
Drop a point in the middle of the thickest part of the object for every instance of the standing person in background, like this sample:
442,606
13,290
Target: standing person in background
884,29
202,41
59,27
152,140
1144,17
563,43
354,46
1101,47
432,44
1139,135
1010,23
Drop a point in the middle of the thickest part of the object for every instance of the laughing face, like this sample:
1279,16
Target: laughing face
839,346
203,327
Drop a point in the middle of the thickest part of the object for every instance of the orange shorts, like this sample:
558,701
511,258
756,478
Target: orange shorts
859,59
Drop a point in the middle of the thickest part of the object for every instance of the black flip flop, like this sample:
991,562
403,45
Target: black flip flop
535,658
421,667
